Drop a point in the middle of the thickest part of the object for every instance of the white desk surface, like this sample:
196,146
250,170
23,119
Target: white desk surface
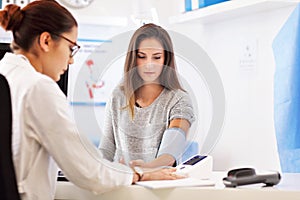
287,189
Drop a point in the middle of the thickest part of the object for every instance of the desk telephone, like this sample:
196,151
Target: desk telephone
245,176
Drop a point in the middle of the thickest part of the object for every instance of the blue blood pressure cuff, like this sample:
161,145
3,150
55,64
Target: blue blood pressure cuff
173,143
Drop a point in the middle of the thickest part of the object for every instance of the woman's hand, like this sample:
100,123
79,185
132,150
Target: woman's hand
161,161
158,174
135,163
139,163
161,174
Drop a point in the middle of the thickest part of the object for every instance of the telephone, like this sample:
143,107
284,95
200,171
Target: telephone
245,176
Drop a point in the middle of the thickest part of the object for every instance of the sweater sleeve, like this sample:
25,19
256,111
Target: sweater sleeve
182,108
107,144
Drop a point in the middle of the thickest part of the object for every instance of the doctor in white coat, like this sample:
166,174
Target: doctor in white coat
44,136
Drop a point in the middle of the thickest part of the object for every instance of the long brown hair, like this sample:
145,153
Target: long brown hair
132,81
37,17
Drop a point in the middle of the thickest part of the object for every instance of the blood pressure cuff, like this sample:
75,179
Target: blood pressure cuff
173,143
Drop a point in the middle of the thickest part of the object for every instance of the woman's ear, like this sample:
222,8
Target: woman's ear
44,40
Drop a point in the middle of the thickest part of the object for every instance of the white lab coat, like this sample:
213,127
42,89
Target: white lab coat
44,134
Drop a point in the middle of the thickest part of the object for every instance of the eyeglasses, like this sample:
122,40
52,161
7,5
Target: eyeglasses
74,49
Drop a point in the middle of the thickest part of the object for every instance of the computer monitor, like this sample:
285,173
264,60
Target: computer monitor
4,47
63,82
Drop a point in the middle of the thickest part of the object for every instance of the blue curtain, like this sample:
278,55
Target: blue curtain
286,47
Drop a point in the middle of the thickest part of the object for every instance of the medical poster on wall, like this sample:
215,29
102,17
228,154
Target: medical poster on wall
96,71
86,86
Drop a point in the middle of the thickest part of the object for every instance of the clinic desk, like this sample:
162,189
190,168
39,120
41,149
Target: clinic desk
288,189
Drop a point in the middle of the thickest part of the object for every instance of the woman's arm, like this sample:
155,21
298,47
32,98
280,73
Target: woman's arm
164,159
174,137
180,123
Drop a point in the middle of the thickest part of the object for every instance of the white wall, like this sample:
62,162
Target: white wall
248,137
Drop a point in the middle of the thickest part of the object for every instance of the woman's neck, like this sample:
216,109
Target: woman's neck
146,94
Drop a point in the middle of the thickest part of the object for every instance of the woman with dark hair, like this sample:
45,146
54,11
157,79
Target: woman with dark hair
44,43
148,114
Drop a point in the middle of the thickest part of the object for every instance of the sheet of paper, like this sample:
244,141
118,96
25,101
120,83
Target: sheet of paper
186,182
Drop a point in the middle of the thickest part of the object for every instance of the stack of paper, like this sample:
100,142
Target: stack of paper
186,182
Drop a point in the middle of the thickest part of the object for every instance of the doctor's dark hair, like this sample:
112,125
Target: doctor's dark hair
37,17
132,81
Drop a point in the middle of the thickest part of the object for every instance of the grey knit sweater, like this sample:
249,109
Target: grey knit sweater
140,138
